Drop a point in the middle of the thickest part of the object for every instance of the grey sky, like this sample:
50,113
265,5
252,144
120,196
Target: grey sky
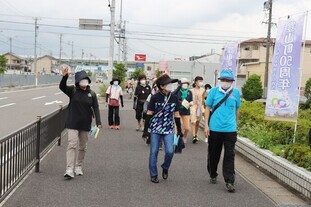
211,23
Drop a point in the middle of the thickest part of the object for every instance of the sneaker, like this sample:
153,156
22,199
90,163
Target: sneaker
154,179
230,187
78,170
165,174
117,127
138,127
69,173
111,126
213,180
194,139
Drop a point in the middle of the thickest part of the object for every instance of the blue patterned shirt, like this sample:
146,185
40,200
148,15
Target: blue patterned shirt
162,121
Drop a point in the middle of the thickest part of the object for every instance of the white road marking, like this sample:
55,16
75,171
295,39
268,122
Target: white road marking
53,102
38,98
3,98
7,105
58,93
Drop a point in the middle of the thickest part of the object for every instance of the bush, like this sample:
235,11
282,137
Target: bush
252,89
308,93
102,89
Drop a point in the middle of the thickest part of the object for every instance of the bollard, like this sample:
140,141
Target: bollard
38,144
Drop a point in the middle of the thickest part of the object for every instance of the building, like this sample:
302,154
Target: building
45,65
252,59
16,64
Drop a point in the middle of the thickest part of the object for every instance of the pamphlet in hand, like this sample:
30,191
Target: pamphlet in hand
94,132
185,103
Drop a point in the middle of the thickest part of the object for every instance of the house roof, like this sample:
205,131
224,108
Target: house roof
48,56
263,40
16,56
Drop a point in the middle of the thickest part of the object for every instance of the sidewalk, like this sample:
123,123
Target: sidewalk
116,174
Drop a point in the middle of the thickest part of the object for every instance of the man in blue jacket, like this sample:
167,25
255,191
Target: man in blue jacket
83,105
221,127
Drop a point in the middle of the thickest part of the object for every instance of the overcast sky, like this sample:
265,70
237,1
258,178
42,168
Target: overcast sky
161,29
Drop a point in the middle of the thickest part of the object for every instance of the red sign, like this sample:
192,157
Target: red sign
140,57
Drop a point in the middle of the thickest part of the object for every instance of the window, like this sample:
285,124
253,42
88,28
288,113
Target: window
149,68
246,48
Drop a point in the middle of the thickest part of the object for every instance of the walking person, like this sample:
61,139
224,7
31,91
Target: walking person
184,96
114,96
141,94
196,110
163,110
83,105
221,130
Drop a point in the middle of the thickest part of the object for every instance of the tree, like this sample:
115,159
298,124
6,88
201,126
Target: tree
252,89
308,93
120,72
158,72
137,73
3,62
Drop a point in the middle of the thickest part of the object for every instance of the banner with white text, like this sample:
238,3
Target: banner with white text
230,56
283,90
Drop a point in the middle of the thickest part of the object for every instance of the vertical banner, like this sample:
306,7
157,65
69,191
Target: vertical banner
283,90
230,56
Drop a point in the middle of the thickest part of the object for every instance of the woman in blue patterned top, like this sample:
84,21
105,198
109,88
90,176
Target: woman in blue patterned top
163,112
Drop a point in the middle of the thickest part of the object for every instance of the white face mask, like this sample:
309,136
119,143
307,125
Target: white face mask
200,84
115,83
84,82
169,87
225,85
207,90
184,86
143,82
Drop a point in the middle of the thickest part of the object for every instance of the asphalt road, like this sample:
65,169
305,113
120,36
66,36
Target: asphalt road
116,174
21,107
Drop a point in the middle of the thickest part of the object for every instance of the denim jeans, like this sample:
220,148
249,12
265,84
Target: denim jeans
154,149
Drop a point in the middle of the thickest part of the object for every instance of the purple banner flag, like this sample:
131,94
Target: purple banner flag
230,56
283,90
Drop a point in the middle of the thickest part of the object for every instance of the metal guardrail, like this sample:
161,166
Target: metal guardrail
23,149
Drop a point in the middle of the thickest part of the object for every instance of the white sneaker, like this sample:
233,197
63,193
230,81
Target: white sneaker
78,170
69,173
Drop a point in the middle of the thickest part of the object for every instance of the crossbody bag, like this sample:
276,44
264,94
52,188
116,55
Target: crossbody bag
219,103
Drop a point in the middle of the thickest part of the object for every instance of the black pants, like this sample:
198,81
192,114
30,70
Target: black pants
140,110
215,142
113,115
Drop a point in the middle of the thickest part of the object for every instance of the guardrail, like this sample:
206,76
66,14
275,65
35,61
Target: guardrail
23,149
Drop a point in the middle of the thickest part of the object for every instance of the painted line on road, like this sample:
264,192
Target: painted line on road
58,93
38,98
3,98
7,105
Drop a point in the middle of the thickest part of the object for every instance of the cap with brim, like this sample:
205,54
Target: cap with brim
115,79
184,80
168,81
226,75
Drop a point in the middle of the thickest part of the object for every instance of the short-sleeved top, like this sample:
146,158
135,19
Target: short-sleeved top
183,110
162,122
114,92
224,118
142,93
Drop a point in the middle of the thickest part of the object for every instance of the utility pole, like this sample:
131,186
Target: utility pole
124,46
71,53
35,57
10,53
60,48
82,54
112,28
269,6
120,32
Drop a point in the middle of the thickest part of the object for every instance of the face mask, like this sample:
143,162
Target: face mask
169,87
84,83
207,90
225,85
184,86
143,82
200,84
115,83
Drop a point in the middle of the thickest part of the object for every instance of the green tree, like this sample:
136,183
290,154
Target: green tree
158,72
137,73
308,93
120,72
252,89
3,62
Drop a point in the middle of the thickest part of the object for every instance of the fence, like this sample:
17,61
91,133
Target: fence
11,80
23,149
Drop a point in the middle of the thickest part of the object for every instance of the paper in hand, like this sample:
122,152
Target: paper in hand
185,103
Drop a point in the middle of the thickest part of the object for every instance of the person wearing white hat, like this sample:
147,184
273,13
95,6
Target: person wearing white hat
185,99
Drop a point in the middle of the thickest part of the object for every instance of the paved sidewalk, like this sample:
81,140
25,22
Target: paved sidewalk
116,174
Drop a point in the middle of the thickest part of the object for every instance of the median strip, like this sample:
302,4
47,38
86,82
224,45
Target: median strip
38,98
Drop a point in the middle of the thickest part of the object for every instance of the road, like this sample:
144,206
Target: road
20,107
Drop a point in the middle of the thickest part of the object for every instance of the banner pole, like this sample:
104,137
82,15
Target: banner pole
300,71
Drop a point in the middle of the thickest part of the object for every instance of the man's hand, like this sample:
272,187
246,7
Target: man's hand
65,71
99,126
206,131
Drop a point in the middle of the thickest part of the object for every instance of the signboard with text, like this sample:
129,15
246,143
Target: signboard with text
140,57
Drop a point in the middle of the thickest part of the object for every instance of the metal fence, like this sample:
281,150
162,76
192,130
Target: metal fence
11,80
23,149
